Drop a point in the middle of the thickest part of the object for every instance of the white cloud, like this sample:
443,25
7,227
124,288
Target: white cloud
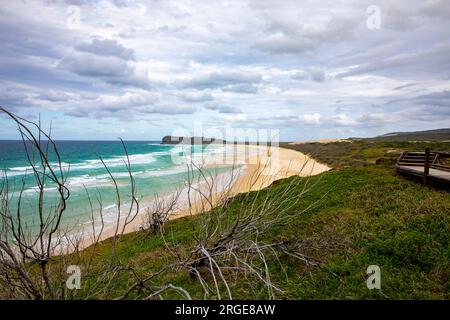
283,64
313,118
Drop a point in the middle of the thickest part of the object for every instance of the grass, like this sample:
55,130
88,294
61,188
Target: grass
363,152
369,217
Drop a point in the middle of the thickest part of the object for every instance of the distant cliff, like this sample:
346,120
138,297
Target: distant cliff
191,140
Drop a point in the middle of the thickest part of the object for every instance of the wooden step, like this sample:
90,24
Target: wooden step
401,163
413,157
419,153
409,157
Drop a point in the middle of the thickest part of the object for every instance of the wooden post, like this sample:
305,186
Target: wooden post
426,167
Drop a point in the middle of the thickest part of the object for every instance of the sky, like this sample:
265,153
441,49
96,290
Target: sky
98,70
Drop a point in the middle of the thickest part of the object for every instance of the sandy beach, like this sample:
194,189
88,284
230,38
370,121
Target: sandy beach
254,168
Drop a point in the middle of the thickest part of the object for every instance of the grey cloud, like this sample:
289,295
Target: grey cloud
53,96
315,74
111,70
123,3
128,106
285,121
361,56
404,64
432,115
436,8
241,88
300,75
401,18
107,47
293,37
117,3
216,80
93,66
365,120
405,86
222,108
441,99
14,99
282,43
373,118
195,96
22,38
170,109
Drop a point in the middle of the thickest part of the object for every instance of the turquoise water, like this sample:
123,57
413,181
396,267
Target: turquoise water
154,168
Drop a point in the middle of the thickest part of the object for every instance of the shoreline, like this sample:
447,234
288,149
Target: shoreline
258,167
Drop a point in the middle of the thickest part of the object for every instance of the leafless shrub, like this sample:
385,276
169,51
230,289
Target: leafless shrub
157,214
238,244
34,259
20,247
226,247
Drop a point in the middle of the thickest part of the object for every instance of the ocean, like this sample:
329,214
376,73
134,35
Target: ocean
157,170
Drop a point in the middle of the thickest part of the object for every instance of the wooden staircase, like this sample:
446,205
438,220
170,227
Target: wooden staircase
429,165
416,159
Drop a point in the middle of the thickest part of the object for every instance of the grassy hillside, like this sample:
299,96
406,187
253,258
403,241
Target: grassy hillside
428,135
369,216
363,152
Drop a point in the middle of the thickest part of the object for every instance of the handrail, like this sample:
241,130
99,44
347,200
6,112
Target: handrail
428,160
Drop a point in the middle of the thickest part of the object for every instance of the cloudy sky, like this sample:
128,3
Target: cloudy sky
142,69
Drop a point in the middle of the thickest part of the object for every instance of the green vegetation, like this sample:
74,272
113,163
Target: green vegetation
363,152
369,216
428,135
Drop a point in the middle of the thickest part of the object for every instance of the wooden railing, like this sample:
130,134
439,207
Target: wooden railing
428,160
437,164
